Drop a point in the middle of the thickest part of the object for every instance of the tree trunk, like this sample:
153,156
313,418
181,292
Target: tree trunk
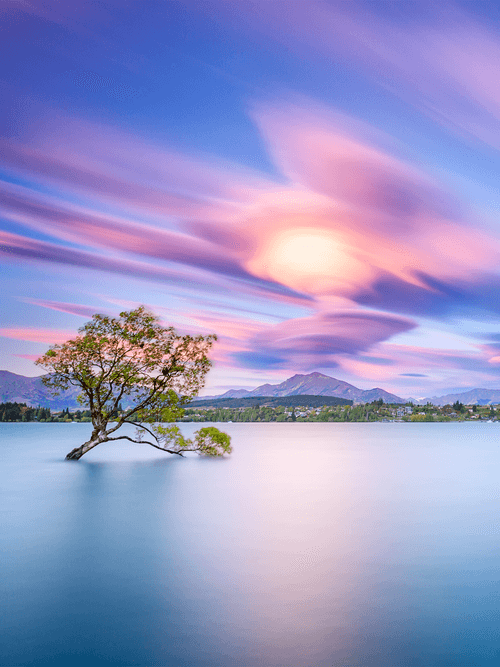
78,452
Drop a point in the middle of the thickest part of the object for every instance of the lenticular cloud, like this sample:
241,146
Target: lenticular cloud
317,340
349,226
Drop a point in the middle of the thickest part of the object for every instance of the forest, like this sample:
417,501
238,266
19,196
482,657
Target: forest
368,412
20,412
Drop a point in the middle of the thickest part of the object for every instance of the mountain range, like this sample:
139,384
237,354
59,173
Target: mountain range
472,397
315,384
20,389
31,390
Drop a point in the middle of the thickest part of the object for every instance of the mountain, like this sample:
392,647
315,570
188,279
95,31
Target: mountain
315,384
30,390
471,397
20,389
232,393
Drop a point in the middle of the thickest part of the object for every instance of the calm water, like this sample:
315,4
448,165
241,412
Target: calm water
349,545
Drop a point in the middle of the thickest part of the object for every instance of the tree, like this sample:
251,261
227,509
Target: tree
134,360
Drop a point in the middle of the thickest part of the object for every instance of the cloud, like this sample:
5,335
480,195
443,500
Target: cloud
490,336
70,308
261,360
442,60
433,297
442,363
36,335
29,357
367,226
118,167
104,231
318,340
352,221
14,246
336,156
351,224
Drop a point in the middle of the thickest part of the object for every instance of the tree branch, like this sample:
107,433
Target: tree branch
143,403
146,442
136,424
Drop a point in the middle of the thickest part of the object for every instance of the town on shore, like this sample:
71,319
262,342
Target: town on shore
376,411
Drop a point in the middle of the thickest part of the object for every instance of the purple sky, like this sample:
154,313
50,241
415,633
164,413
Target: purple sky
316,182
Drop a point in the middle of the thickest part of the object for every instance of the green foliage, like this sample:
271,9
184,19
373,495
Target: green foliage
20,412
129,356
134,358
300,400
212,442
368,412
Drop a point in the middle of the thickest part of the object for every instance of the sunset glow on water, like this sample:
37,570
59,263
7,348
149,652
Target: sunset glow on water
312,545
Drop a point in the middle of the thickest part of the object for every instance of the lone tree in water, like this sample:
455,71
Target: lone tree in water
132,359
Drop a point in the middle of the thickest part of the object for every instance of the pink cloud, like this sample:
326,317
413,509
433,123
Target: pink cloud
29,357
444,62
319,340
70,308
350,215
397,367
370,212
352,223
445,366
233,332
35,335
87,227
227,326
16,247
335,156
112,165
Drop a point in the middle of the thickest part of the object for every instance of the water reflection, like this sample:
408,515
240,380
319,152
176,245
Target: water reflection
312,545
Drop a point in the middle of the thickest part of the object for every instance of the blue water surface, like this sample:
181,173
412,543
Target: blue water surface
312,545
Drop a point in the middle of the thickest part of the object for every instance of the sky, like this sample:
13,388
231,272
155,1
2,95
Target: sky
316,182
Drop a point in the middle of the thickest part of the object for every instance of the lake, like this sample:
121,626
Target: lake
312,545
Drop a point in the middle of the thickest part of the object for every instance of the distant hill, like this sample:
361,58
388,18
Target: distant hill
30,390
273,401
232,393
313,384
20,389
471,397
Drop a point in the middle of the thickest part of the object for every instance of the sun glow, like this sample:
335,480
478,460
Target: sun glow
309,252
307,258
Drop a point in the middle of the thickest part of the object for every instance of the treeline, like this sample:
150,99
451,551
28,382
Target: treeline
257,413
368,412
302,400
20,412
